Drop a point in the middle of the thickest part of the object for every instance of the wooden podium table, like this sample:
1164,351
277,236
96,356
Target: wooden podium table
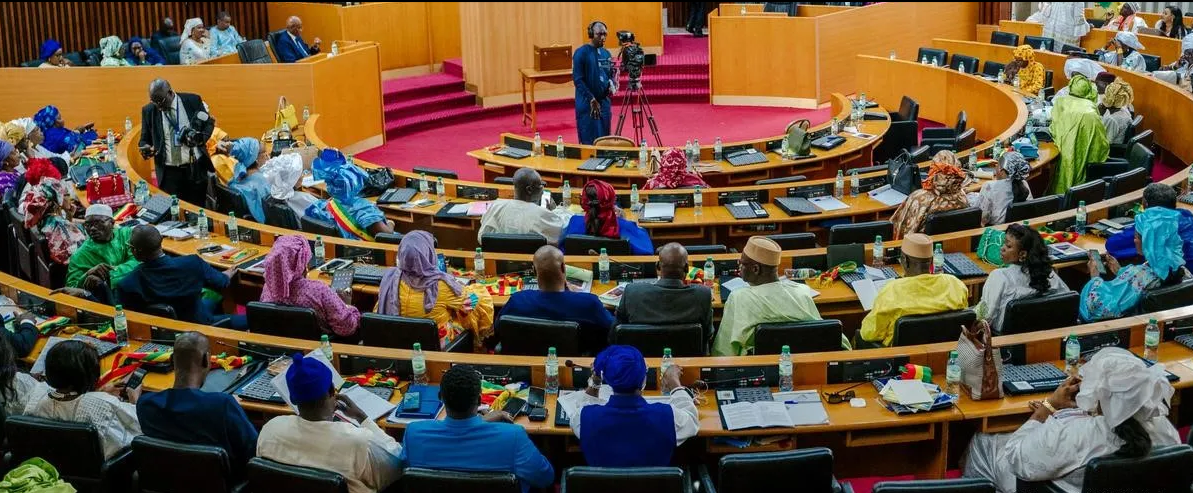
530,77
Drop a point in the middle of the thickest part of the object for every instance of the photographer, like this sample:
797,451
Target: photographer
596,83
174,132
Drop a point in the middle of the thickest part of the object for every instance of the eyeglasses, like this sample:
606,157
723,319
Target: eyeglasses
843,395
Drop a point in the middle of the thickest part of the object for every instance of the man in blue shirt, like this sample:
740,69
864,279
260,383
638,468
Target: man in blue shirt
466,442
595,81
186,414
552,301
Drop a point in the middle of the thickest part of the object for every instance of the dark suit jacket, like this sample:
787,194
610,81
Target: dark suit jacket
287,50
174,281
666,302
153,134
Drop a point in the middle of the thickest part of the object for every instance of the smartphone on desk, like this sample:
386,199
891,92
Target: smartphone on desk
537,397
515,406
411,402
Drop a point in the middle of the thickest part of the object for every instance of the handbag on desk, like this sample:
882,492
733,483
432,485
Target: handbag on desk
799,142
989,246
981,365
285,114
379,180
108,190
903,174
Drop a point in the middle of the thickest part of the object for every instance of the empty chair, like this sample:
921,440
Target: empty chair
971,63
171,467
1068,48
901,136
73,448
583,244
843,234
532,336
1146,137
911,330
1089,192
586,479
795,241
421,480
1034,208
749,473
1004,38
280,215
319,227
1040,43
782,179
1050,311
1167,297
802,337
393,331
992,68
683,339
438,172
954,220
960,485
168,47
266,476
390,238
957,143
909,110
931,136
1152,62
702,249
285,321
935,56
1127,182
253,51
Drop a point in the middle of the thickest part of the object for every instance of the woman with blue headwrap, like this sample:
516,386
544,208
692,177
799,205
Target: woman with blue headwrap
51,55
357,218
58,138
1157,240
245,179
139,53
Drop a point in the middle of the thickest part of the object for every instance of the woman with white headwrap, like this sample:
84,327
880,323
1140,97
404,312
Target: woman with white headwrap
193,49
113,51
1008,186
1123,51
1080,65
1178,72
1126,20
1116,405
284,174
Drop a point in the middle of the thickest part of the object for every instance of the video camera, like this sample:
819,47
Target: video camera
633,58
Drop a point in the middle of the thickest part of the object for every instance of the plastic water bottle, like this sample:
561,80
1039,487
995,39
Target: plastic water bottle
174,211
320,253
559,147
128,125
668,360
643,154
1072,354
743,9
120,326
566,194
1080,225
141,195
878,253
306,113
603,266
938,259
695,150
1016,81
854,183
961,68
424,187
687,152
835,128
1002,76
634,197
335,48
924,60
478,263
785,150
440,191
202,223
786,381
325,347
538,144
893,57
710,271
233,230
717,150
698,201
952,378
1151,340
935,62
839,186
552,372
110,139
998,150
418,362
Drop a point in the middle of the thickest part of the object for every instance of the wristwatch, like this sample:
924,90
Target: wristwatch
1048,405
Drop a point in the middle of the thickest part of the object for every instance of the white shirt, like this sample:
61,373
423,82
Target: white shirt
24,384
191,52
513,216
366,457
300,201
1007,284
169,132
993,199
683,408
1065,22
1136,25
1116,122
116,421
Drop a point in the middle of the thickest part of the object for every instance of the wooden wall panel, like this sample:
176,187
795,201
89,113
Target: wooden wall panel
444,22
401,28
319,20
644,19
80,25
746,61
1168,49
498,38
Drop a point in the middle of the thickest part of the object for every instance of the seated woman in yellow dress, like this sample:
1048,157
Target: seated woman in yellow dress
417,288
1030,72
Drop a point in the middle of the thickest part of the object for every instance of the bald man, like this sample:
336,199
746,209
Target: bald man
291,48
669,300
174,132
187,414
523,214
552,301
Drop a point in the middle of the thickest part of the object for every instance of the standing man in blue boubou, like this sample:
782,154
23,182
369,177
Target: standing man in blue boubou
596,83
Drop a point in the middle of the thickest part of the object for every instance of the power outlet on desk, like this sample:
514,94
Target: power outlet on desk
162,336
630,272
246,235
39,306
362,255
853,371
733,377
1091,343
1178,327
357,365
500,374
266,353
580,378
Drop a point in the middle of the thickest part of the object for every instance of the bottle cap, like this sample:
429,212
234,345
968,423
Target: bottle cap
119,307
785,349
418,347
323,338
666,351
551,350
953,353
603,251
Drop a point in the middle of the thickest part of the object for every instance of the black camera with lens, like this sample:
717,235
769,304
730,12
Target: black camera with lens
633,57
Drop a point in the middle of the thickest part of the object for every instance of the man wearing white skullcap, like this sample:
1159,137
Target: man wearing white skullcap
1116,405
105,258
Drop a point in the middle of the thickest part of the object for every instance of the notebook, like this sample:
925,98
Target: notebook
429,404
759,414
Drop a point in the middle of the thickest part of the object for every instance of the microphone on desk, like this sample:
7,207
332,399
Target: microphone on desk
634,268
572,364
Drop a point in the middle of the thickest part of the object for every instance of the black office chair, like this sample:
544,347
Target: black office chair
169,48
319,227
1138,156
73,448
931,135
1090,192
1068,48
909,110
280,215
748,473
92,57
274,38
1029,209
266,476
172,467
229,200
940,56
901,136
437,172
284,321
1167,297
971,63
1050,311
1004,38
1127,182
512,243
683,339
961,142
781,179
794,241
1152,62
1047,79
36,62
504,180
959,485
1049,91
843,234
911,330
586,479
1040,43
993,68
253,51
954,220
583,244
1146,137
393,331
701,249
390,238
528,336
1165,470
77,58
420,480
812,336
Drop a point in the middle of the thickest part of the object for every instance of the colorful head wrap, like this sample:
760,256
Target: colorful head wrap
38,169
1015,165
49,48
47,117
600,210
343,181
285,265
1119,94
419,267
110,46
6,148
245,150
621,367
1081,87
38,199
944,175
1025,53
13,132
673,173
308,379
1157,227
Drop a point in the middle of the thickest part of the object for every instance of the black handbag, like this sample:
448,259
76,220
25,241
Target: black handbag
903,174
379,180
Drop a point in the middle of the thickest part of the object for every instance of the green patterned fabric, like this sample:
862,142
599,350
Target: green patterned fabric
1079,134
34,476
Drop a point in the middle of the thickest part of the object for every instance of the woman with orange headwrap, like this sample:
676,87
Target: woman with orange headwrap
673,173
601,219
941,192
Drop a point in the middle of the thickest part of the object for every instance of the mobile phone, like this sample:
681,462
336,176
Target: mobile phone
515,406
1097,258
133,381
538,414
412,401
210,248
334,265
537,395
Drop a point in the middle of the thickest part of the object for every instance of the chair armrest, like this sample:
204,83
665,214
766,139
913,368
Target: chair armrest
1022,486
938,133
223,322
706,484
839,487
1107,168
462,344
1118,151
242,487
919,154
117,472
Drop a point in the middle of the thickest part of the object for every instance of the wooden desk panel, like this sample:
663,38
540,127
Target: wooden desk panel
644,19
1021,28
1168,49
745,66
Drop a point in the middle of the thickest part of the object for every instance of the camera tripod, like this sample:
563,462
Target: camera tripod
636,102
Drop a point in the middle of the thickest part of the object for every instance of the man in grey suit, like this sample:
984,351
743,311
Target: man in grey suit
668,300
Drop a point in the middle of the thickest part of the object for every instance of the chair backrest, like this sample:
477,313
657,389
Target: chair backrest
1039,42
993,68
1068,48
941,56
285,321
581,244
1141,156
439,172
1126,182
512,242
585,479
1090,192
207,467
73,448
954,220
971,63
748,473
959,485
1134,125
902,135
683,339
812,336
1050,311
1165,470
169,47
420,480
1146,137
280,215
319,227
231,200
794,241
781,179
266,476
253,51
77,58
532,336
1028,209
161,310
274,38
702,249
966,140
391,238
1004,38
504,180
1152,62
1047,78
34,63
962,121
842,234
1167,297
909,109
932,328
614,141
393,331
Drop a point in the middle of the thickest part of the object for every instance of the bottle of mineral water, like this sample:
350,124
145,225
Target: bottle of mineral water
552,371
786,149
854,183
306,113
418,362
440,191
839,186
878,253
320,253
1151,340
478,263
953,375
128,125
559,147
566,193
120,326
938,259
335,48
643,154
538,145
110,139
1080,225
698,201
233,230
174,212
325,347
634,197
1002,76
141,195
892,55
603,266
935,62
717,151
424,187
710,271
695,150
202,224
668,360
924,60
687,152
786,380
1072,354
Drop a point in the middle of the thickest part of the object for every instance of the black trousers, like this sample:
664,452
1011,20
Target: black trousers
696,18
180,181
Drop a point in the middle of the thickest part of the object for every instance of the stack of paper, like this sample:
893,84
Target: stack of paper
913,394
477,209
658,211
887,195
828,203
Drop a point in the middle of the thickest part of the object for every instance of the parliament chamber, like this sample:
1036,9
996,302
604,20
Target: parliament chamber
841,423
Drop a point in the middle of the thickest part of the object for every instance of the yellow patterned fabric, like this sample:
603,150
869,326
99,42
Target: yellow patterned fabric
1031,72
